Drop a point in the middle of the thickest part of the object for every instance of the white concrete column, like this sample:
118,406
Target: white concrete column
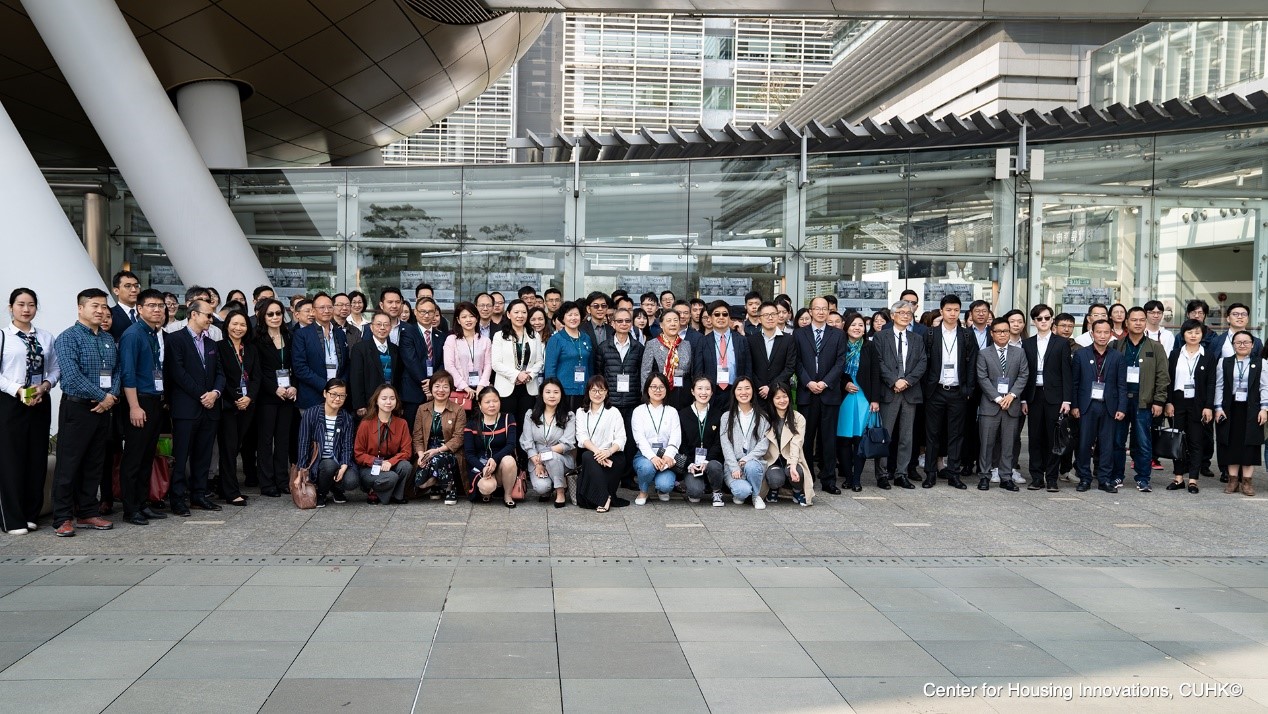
41,250
211,110
101,60
369,157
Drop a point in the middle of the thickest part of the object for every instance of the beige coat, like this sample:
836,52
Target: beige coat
790,447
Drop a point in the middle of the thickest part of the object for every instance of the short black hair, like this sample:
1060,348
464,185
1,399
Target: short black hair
336,296
1141,310
423,286
1154,305
552,291
192,293
1064,317
1192,305
1037,310
670,293
948,299
598,295
259,290
696,301
720,304
1236,305
999,321
909,291
119,276
147,294
388,291
647,296
752,295
526,290
90,294
979,303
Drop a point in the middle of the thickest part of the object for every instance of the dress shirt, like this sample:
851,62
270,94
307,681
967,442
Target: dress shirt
730,355
1041,351
950,356
1250,401
622,348
607,428
13,368
902,342
1186,366
983,337
769,340
1164,337
83,356
137,353
656,424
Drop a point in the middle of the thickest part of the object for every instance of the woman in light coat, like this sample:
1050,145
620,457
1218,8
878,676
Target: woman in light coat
518,359
785,458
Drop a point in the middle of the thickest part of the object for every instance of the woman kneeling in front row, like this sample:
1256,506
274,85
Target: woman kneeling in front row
744,446
489,445
548,439
382,450
658,435
785,457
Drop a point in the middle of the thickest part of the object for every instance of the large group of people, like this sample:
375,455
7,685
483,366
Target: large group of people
569,401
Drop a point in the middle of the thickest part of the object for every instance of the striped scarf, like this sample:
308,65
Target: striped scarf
671,359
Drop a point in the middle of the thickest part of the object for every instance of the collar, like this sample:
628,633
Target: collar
616,339
195,334
381,345
778,332
719,333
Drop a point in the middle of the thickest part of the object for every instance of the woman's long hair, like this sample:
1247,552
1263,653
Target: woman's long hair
734,411
539,407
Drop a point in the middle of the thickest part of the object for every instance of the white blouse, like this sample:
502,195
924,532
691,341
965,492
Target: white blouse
604,429
13,360
661,425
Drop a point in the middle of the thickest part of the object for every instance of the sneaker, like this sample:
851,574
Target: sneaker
800,498
717,500
1118,482
339,497
66,529
737,500
1018,478
95,523
321,501
1143,487
640,501
663,496
759,504
994,475
1068,477
18,531
692,499
772,496
1156,465
451,498
30,525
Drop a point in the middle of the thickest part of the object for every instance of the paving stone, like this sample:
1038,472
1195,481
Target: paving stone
635,696
757,660
616,659
773,695
527,696
82,659
493,660
226,660
259,625
330,694
209,696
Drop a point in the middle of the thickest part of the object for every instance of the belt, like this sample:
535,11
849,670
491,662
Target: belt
79,400
149,396
949,387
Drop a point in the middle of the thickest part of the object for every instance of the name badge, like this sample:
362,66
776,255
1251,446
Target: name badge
332,370
547,455
950,374
702,455
1133,375
284,378
429,369
1190,392
579,375
622,382
377,467
105,381
242,386
658,444
158,380
540,378
473,378
1039,379
1001,387
1098,391
35,380
1239,393
678,380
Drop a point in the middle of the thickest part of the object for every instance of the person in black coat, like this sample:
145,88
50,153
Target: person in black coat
195,383
725,358
623,374
772,352
820,364
372,363
701,444
1191,399
421,351
1048,394
240,362
950,378
275,413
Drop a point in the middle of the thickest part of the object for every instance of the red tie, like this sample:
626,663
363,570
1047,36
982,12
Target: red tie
724,373
427,339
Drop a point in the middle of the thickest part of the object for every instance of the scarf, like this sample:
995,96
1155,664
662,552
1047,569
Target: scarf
671,359
852,352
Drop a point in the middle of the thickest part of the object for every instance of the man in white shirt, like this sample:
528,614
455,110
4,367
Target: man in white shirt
980,322
1154,330
1095,313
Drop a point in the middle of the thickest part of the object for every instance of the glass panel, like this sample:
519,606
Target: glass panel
408,204
288,203
1207,253
1089,256
636,271
868,285
637,204
517,204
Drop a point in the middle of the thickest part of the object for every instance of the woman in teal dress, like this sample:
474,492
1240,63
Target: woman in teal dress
862,386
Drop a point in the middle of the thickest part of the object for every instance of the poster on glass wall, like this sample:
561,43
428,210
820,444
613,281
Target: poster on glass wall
1076,299
288,281
442,284
165,279
509,284
636,285
864,296
935,292
730,290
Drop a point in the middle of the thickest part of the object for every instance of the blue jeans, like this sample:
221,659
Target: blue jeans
751,482
647,474
1138,423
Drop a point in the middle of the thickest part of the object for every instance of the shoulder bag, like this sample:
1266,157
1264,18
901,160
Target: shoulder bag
875,441
303,491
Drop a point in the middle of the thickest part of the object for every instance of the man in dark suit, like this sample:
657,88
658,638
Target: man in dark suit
421,354
820,364
772,353
597,326
949,380
424,290
1002,375
321,353
903,364
726,357
194,384
126,288
371,363
1048,394
1100,393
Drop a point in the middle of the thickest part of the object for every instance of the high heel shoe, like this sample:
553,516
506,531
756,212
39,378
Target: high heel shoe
604,508
509,504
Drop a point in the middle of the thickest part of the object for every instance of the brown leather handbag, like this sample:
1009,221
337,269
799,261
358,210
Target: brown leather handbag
303,491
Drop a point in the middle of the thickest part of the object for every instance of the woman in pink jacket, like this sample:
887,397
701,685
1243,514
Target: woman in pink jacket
468,356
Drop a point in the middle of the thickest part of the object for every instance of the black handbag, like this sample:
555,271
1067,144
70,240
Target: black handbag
875,441
1168,443
1063,440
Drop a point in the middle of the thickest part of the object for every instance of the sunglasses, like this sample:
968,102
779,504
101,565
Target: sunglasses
273,314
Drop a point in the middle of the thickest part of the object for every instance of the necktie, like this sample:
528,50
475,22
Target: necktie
724,372
132,314
198,342
902,359
818,339
427,339
1003,362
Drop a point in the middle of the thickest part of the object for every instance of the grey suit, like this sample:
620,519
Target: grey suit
1000,427
899,408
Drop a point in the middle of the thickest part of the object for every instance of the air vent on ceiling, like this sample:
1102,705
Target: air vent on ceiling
452,12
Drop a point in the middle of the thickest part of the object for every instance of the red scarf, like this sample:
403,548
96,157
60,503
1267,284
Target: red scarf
671,359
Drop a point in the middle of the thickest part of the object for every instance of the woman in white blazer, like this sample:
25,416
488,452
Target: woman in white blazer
518,359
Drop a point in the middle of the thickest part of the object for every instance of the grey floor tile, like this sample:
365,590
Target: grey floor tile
606,599
497,627
1019,599
873,659
493,660
711,599
390,599
502,577
13,574
791,577
772,695
635,696
226,660
978,577
952,626
360,660
1036,626
758,660
527,696
1150,625
731,627
615,576
1100,601
93,574
82,659
148,598
630,627
167,625
234,575
1069,576
1218,659
207,696
393,576
616,659
846,627
38,626
814,599
883,577
918,599
1100,657
272,597
258,625
994,659
1232,576
73,695
374,627
330,695
13,650
1218,599
60,597
908,694
303,575
499,599
1160,576
712,576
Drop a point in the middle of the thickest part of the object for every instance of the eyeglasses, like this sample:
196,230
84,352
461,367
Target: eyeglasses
597,390
598,306
721,315
768,314
153,306
204,314
1239,313
1243,343
1043,318
622,321
426,312
336,395
273,313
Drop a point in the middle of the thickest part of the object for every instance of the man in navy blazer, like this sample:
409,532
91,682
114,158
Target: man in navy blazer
126,289
194,383
419,361
724,345
820,364
320,353
1100,400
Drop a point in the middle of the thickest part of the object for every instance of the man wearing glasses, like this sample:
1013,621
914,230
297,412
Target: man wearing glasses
141,353
192,367
1047,395
903,362
1154,330
422,353
726,357
343,309
597,326
771,352
320,353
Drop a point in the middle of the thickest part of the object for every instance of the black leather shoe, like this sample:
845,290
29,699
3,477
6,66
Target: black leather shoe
931,480
856,488
903,482
1083,486
955,482
984,483
180,509
137,519
1175,486
269,493
1008,485
1035,485
832,490
882,484
204,504
1107,487
1223,478
152,514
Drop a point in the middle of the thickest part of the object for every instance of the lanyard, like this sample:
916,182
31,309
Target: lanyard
597,422
239,353
1101,359
657,422
521,355
546,426
1241,371
701,421
1193,363
471,346
488,436
949,350
746,431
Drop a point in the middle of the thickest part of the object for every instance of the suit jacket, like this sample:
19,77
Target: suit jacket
309,359
351,333
414,361
233,373
790,447
988,376
709,360
1114,375
1203,378
121,321
779,367
891,371
365,372
827,368
1057,386
187,375
1154,380
503,360
966,359
587,327
271,360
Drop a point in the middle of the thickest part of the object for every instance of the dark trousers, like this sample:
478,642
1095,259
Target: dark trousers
138,454
233,430
81,449
273,444
821,433
1189,418
326,470
631,447
24,441
114,450
971,446
1095,430
192,441
246,449
945,411
1042,431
